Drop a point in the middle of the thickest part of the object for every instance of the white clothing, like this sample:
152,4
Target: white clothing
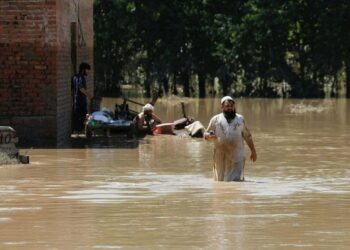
195,127
229,156
101,116
147,107
230,134
226,98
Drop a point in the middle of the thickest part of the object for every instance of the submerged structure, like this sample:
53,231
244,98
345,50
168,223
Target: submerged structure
41,44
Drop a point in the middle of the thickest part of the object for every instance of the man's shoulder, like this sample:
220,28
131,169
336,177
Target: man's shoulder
76,77
79,79
215,117
240,117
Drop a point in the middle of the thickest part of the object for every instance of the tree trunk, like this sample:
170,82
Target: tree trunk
334,87
225,83
201,85
108,80
147,85
173,86
166,86
115,88
186,83
264,91
148,88
347,69
163,86
212,91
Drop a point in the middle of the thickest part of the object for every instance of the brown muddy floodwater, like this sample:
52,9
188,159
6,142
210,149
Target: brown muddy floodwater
158,193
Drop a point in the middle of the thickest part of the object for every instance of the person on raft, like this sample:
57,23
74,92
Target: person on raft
146,121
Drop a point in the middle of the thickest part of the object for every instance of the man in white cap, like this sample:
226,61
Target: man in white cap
146,120
228,131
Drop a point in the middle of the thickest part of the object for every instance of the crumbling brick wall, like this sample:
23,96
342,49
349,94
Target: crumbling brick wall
36,65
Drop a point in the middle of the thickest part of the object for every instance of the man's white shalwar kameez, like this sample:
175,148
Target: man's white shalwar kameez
229,157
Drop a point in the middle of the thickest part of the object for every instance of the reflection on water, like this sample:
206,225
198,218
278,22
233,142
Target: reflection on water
157,191
135,186
116,141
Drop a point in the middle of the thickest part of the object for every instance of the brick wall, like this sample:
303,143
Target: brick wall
35,66
79,14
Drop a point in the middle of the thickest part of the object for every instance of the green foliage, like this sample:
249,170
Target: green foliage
255,48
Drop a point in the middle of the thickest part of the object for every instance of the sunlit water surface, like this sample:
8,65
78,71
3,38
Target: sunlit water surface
158,192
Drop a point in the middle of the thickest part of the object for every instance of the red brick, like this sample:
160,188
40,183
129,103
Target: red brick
27,80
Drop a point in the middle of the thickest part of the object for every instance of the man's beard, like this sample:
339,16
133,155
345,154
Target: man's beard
148,117
229,115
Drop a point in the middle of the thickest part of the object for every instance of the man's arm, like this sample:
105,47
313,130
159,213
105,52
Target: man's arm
139,122
209,132
249,140
250,143
156,118
86,93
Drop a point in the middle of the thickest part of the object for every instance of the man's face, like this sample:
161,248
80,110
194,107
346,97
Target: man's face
86,72
148,112
228,106
148,115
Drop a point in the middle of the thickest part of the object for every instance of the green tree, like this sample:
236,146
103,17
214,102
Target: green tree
115,43
264,45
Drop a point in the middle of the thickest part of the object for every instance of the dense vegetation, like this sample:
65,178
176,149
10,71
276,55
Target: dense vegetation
291,48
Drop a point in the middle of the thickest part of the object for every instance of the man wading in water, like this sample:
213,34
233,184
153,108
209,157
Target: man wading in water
228,131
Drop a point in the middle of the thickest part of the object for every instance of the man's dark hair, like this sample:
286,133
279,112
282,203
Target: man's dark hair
83,66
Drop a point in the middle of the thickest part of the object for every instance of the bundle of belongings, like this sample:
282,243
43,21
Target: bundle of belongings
195,129
192,127
186,126
103,116
104,120
183,122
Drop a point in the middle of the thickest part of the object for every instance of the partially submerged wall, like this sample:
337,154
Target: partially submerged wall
37,41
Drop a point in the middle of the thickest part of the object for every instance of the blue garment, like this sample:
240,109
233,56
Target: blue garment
79,102
79,99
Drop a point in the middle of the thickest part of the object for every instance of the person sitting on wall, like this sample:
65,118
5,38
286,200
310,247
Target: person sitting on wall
146,121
